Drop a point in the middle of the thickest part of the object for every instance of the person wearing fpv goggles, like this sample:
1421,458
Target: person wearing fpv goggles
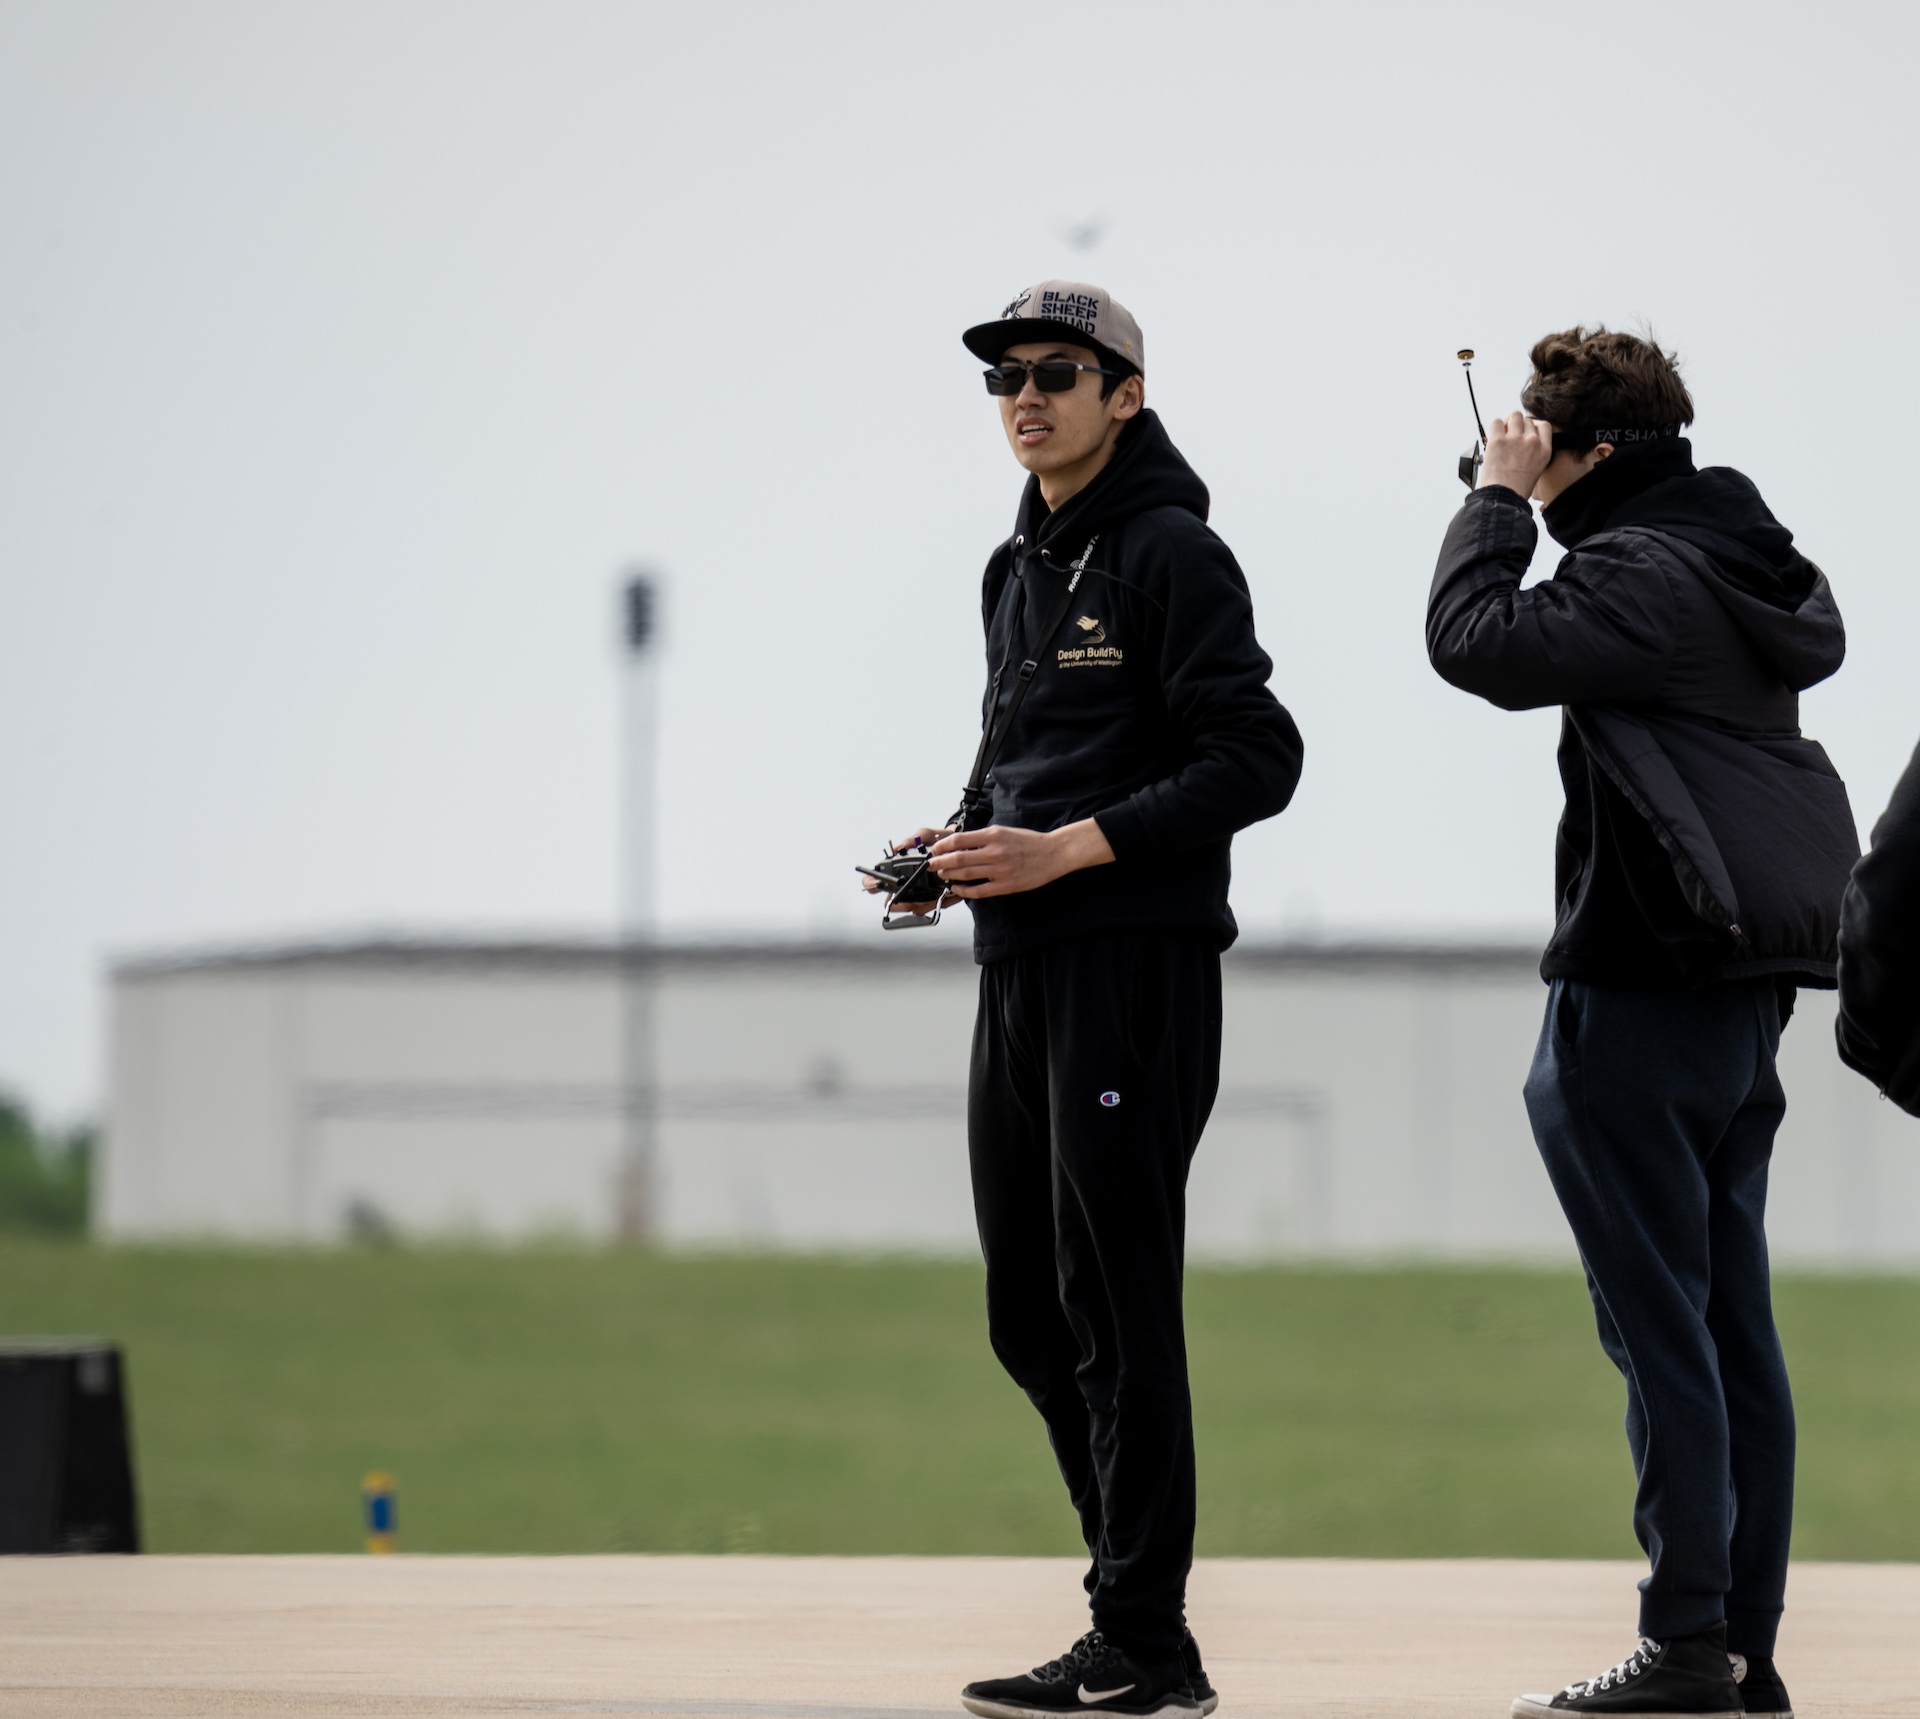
1700,862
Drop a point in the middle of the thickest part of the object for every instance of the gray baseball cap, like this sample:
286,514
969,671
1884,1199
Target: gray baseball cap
1084,314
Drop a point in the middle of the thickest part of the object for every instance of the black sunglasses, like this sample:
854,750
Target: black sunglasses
1050,376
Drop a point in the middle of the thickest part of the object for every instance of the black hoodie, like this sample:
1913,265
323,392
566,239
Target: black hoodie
1150,711
1704,837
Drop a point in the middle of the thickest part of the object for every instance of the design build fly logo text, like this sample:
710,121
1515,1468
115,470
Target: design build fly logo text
1095,653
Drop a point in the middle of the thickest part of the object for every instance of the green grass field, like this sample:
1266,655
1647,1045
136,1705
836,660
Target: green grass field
583,1401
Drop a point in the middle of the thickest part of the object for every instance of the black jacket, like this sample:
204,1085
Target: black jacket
1704,838
1879,1024
1150,710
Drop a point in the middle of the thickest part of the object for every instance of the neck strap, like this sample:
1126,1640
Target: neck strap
993,733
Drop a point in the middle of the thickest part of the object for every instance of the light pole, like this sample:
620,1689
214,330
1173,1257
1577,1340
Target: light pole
636,1217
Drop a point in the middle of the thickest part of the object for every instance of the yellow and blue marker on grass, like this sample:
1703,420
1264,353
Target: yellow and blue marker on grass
382,1511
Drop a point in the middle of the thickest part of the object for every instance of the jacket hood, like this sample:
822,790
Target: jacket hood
1146,472
1779,598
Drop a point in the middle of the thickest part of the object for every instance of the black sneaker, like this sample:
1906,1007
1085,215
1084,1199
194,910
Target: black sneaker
1689,1674
1761,1690
1093,1677
1197,1675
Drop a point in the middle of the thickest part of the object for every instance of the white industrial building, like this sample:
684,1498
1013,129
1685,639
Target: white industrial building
813,1096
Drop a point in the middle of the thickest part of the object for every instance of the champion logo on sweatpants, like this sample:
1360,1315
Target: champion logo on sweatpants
1109,1099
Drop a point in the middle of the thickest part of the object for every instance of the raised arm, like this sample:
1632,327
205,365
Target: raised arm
1601,630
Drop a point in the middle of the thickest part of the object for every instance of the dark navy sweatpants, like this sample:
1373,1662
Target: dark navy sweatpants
1655,1112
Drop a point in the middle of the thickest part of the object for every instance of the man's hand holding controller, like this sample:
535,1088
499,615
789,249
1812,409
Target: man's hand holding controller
1000,860
907,849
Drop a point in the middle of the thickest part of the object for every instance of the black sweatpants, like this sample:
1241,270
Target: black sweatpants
1655,1113
1095,1064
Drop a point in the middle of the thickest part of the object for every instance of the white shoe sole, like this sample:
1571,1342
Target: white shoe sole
1213,1701
1542,1707
1171,1708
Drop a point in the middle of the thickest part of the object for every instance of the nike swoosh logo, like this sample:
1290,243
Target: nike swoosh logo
1092,1695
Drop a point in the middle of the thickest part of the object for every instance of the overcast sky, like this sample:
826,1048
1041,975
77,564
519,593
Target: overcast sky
349,352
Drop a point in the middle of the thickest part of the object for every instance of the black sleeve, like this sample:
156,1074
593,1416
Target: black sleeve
1879,1024
1213,675
1600,631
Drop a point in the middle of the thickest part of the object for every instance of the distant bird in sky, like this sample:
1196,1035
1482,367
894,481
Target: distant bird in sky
1085,235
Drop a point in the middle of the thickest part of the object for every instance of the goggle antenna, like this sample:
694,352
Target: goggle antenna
1465,355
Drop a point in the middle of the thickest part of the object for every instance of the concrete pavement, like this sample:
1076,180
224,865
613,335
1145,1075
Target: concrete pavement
863,1638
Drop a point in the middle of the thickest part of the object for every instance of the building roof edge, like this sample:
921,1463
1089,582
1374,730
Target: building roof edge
406,953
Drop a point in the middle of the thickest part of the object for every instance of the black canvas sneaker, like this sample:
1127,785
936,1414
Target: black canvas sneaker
1689,1674
1093,1677
1761,1690
1197,1675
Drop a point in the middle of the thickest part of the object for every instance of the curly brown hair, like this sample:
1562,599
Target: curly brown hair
1591,378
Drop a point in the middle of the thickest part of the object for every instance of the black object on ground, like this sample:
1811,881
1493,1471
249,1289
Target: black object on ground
66,1467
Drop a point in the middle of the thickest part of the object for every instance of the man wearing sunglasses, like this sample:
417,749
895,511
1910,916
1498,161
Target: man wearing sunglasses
1130,733
1700,863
